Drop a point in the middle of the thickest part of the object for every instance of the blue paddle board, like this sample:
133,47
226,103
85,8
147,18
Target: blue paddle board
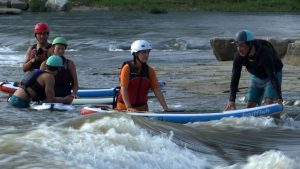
267,110
11,87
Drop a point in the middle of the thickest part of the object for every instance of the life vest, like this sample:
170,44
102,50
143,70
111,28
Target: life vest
30,80
63,80
139,84
40,51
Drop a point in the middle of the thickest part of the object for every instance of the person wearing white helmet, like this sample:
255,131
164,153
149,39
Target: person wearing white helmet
262,62
136,78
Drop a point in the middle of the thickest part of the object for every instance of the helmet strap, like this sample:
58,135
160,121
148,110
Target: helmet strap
250,49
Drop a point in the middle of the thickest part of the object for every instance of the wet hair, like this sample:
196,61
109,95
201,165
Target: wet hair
52,68
135,57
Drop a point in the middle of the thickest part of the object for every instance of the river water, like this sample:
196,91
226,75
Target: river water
98,43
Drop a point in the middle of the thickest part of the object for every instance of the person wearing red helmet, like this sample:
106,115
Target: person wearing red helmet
40,51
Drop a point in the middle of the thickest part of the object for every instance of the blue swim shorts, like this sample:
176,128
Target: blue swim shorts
18,102
262,88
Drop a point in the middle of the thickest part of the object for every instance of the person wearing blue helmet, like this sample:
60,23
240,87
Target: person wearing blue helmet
265,67
38,85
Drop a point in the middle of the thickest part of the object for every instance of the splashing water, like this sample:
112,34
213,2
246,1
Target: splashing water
56,4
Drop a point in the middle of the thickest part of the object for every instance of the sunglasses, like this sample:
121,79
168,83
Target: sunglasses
43,33
145,51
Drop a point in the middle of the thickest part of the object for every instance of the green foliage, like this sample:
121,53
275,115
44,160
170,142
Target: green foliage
37,5
67,7
158,11
162,6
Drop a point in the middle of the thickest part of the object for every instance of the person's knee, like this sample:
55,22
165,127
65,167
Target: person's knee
251,104
268,101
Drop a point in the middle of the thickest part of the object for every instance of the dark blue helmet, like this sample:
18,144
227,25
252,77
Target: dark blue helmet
244,36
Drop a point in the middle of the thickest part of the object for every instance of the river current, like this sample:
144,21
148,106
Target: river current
99,41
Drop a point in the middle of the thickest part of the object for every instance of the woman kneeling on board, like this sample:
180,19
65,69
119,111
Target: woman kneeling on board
39,86
136,78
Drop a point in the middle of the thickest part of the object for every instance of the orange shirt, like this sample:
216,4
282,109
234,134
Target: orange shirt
124,82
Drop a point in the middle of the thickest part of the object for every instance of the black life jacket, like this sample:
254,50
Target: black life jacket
30,77
30,80
40,51
63,80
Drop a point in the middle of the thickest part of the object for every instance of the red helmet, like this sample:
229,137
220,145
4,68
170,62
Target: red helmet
41,27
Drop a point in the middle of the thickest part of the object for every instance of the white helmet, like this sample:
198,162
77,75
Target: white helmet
139,45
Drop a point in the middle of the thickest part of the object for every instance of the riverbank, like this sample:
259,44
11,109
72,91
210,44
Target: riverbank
214,78
154,6
193,5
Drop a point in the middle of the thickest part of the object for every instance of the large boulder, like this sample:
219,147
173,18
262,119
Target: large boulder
292,56
280,45
224,50
18,4
4,3
10,11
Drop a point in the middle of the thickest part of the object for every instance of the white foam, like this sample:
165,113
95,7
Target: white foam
72,50
56,3
292,102
239,123
290,123
110,143
114,48
268,160
5,49
10,59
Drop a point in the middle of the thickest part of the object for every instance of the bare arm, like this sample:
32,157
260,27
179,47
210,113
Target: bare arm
50,94
27,65
230,106
43,66
49,88
160,97
124,93
72,68
235,78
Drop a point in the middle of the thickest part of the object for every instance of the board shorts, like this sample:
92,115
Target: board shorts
262,88
18,102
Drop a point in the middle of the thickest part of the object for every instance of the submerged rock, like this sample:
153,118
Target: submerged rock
224,50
